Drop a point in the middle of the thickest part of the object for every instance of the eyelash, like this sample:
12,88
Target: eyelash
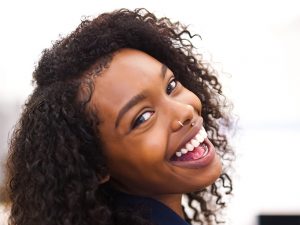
138,121
168,91
170,88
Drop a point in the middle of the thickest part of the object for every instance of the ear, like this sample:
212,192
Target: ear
104,179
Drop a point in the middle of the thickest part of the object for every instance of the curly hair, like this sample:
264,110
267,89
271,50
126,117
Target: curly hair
55,155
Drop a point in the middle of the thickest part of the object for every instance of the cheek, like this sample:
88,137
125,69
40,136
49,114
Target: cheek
147,150
192,99
197,102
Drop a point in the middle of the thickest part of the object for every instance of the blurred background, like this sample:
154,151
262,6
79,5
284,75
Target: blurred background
255,47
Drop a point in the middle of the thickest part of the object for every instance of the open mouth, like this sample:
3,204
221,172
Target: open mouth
197,148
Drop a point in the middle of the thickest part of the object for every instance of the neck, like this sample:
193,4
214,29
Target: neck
173,201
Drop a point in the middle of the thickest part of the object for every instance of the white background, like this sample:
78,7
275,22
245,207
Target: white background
255,46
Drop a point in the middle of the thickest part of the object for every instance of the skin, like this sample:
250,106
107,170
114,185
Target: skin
139,148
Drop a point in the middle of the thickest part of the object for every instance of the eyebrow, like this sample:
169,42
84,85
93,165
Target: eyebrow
136,99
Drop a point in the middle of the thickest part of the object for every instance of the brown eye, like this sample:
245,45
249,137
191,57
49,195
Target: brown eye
171,86
142,118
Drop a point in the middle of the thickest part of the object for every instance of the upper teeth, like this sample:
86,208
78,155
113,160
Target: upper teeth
193,143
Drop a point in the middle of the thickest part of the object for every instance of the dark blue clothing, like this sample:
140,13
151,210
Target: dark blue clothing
153,210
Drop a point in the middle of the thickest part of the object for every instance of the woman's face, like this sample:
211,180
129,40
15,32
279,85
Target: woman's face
140,103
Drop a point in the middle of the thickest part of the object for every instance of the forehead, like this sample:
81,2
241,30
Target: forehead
129,73
128,67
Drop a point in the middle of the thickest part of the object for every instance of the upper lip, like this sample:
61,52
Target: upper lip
192,133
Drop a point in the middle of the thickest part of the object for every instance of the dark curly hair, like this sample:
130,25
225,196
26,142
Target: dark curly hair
55,156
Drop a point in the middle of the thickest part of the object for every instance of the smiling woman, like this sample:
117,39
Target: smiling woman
148,129
123,122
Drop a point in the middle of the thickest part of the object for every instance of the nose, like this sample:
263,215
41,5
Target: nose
182,116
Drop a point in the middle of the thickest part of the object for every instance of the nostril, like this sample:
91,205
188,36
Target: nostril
183,116
186,122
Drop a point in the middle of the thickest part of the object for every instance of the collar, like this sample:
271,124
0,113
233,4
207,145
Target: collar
150,209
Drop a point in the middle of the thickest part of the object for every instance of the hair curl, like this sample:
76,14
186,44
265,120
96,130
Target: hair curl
55,156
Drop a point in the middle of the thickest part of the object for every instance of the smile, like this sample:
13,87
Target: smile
197,152
197,140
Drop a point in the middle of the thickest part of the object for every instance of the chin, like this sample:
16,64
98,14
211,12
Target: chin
211,177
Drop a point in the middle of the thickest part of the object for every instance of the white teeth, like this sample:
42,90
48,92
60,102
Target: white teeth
203,133
189,147
178,154
195,143
183,150
200,138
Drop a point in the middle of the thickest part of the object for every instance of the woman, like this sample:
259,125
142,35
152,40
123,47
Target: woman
116,129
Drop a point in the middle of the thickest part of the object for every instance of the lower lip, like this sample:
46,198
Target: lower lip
199,163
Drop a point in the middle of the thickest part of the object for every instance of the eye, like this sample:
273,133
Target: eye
171,86
142,118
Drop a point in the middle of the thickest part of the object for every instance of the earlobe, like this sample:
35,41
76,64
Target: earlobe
104,179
